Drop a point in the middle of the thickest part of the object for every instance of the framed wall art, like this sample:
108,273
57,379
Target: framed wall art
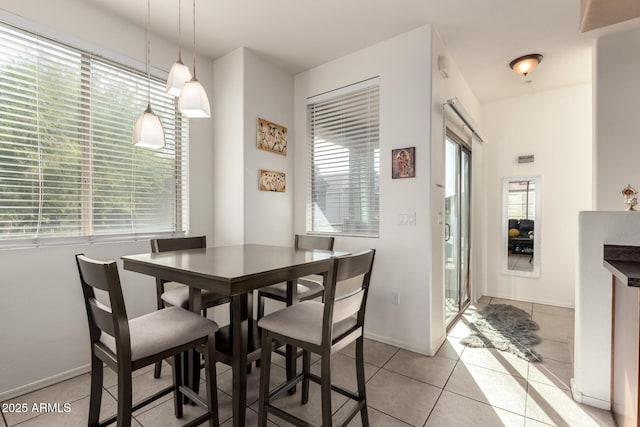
272,137
272,181
403,163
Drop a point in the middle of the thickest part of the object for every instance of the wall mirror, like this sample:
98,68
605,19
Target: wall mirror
521,225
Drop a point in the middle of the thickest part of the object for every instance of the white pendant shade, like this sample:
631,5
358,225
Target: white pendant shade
178,76
194,102
148,131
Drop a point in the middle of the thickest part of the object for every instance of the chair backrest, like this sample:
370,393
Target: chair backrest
178,243
343,271
314,242
111,320
174,244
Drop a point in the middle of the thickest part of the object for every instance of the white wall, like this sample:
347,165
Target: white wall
444,88
227,188
402,261
616,109
41,308
268,95
555,126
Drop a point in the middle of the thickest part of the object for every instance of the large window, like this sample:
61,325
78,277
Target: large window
343,187
68,168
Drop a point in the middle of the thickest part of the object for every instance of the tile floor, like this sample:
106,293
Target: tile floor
458,387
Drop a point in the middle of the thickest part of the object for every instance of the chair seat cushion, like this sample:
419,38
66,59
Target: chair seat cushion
162,330
179,297
307,289
303,322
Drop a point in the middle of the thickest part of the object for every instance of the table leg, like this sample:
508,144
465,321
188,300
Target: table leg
240,331
291,351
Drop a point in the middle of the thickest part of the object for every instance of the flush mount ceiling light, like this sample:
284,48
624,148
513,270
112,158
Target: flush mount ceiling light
148,131
179,73
525,64
193,101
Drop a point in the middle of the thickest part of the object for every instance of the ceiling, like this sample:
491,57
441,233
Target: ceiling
482,37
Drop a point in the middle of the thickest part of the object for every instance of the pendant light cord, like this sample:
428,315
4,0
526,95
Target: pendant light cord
179,30
194,40
148,53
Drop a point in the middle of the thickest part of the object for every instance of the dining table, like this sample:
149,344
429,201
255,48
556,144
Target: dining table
235,271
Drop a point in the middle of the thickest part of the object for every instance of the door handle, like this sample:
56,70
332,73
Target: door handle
447,232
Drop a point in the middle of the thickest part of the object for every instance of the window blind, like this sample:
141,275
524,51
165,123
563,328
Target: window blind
67,164
343,191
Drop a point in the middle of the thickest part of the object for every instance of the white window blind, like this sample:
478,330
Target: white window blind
343,191
67,164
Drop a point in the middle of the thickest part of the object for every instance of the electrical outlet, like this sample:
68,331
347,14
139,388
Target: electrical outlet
396,298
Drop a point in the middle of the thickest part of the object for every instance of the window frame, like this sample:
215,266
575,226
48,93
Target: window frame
373,224
180,156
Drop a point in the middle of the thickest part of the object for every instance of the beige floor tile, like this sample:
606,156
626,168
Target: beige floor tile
451,348
557,328
64,392
311,412
343,371
461,328
401,397
146,385
556,350
278,376
251,420
554,406
528,422
491,387
552,309
376,418
552,372
453,410
497,360
375,352
484,299
163,415
433,370
526,306
2,423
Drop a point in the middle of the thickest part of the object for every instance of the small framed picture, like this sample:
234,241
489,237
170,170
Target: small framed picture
272,181
403,163
272,137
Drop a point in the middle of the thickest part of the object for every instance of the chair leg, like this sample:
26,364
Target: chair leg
125,395
259,315
306,369
361,380
212,385
176,369
95,398
325,388
265,372
157,370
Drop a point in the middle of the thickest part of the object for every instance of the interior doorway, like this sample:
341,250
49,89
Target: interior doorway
457,231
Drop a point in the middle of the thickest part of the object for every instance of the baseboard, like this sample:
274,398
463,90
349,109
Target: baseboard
400,344
588,400
535,301
45,382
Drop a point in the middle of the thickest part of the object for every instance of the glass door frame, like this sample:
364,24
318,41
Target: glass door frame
463,202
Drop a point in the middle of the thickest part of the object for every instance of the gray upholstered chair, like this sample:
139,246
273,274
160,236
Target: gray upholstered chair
322,328
178,296
126,346
308,287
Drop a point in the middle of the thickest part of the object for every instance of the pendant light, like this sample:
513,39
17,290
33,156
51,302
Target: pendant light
148,131
194,102
179,73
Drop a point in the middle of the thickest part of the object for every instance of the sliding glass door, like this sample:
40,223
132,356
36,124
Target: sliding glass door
457,230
